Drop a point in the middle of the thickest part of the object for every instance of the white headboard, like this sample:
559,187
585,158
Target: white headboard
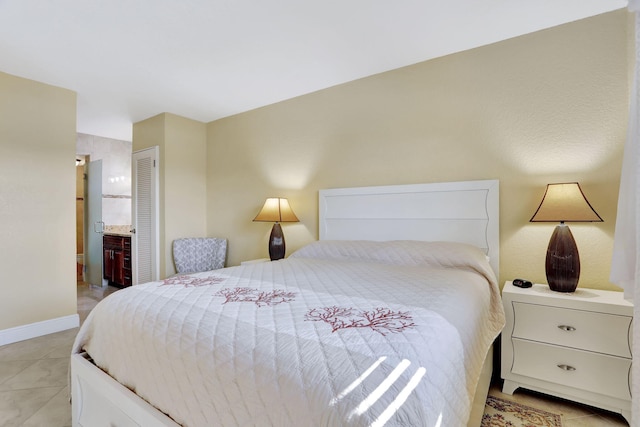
465,212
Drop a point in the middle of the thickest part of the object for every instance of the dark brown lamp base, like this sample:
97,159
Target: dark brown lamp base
563,262
276,243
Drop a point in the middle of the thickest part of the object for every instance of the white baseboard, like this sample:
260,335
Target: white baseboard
33,330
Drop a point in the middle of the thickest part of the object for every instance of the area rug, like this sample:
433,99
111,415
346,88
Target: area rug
505,413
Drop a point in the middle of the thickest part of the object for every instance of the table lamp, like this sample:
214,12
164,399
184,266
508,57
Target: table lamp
564,202
276,210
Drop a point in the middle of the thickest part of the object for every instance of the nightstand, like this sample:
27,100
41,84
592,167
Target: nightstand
576,346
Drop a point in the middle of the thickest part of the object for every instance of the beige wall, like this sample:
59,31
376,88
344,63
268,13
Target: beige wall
37,202
545,107
183,146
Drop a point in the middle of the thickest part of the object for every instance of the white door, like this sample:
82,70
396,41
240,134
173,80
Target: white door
145,209
94,226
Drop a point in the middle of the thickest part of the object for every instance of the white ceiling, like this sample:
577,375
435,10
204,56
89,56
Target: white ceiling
207,59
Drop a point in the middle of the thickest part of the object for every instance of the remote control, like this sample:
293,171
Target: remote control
521,283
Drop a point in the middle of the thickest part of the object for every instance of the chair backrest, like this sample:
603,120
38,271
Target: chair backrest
195,254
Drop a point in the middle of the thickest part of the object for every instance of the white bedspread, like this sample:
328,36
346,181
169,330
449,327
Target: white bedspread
338,334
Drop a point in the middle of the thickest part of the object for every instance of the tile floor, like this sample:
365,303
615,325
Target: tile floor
34,392
34,373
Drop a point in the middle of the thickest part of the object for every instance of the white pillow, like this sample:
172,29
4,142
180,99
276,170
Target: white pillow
399,252
402,252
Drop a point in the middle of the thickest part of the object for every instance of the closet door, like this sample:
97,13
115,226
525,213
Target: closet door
145,216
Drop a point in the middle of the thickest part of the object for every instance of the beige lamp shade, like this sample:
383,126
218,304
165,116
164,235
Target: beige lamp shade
276,209
565,202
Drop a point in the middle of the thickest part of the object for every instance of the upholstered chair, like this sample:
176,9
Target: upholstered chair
195,254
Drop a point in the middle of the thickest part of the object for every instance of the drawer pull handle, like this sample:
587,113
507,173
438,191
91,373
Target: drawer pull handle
566,328
566,367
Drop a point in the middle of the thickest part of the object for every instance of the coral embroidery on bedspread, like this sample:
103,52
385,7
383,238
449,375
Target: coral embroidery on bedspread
382,320
260,298
188,281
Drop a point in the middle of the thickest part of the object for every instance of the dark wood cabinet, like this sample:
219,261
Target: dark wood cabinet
117,260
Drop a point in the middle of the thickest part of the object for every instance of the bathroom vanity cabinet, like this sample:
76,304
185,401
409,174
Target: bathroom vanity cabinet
117,259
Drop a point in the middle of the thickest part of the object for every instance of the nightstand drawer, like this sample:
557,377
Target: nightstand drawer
598,373
586,330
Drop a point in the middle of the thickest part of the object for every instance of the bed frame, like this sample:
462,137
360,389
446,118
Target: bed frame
465,212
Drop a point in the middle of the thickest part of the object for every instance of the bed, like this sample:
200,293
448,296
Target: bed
388,319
